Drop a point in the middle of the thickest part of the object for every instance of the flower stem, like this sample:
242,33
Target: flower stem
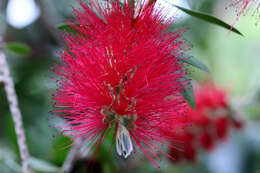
15,111
71,157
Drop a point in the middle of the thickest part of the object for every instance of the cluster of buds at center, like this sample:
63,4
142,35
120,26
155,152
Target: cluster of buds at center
111,117
124,145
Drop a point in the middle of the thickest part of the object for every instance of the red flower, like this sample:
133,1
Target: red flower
222,124
189,152
209,96
211,122
200,119
121,69
206,140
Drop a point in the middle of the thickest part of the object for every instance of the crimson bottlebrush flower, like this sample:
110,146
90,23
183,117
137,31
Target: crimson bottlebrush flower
221,125
212,120
121,68
206,140
244,6
187,150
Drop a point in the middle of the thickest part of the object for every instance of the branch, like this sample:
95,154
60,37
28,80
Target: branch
15,111
71,157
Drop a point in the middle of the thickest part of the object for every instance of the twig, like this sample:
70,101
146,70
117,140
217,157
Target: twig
15,111
68,163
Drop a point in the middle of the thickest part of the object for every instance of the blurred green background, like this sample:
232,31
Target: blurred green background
234,62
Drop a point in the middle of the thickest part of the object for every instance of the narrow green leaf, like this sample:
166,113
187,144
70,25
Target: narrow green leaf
196,63
208,18
188,95
18,48
65,27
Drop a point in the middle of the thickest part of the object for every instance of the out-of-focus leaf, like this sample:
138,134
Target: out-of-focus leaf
253,111
59,154
10,133
8,160
108,164
196,63
208,18
42,165
188,95
13,165
18,48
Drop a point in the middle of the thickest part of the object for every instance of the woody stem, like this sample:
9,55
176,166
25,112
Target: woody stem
15,112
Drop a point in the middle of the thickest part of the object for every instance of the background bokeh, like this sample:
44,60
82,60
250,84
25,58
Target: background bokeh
234,62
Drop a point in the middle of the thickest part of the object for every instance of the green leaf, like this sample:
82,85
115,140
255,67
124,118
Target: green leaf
208,18
188,95
42,165
66,27
18,48
196,63
8,160
253,111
